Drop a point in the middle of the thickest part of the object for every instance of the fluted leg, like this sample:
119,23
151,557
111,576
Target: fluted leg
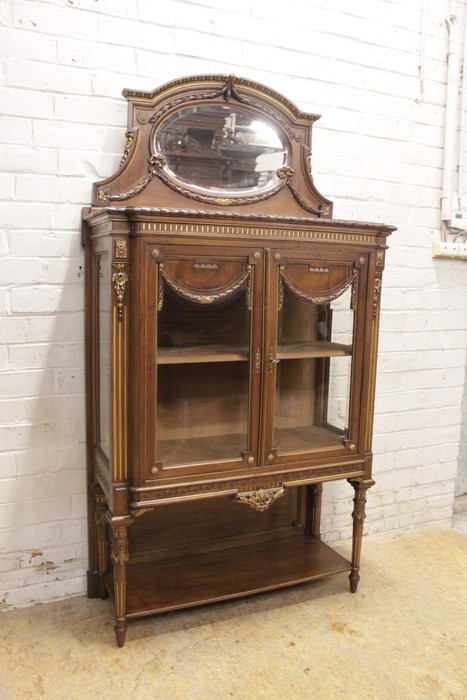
358,515
119,560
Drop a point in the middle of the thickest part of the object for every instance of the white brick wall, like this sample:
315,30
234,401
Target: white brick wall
377,154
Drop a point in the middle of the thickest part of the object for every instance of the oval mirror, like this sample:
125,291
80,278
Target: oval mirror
221,149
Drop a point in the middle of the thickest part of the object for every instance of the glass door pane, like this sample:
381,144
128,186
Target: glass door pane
313,373
103,291
203,376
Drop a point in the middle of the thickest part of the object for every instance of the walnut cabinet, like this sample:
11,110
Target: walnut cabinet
231,337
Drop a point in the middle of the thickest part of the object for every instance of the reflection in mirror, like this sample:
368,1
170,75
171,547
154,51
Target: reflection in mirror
221,149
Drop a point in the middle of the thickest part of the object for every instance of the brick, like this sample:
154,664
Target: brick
16,130
90,54
7,468
28,44
20,270
47,76
47,298
56,21
90,110
19,159
28,383
123,32
43,355
49,243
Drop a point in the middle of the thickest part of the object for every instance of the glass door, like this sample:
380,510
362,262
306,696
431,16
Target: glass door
205,376
309,371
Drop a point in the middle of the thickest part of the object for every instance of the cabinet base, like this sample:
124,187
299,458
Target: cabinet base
155,587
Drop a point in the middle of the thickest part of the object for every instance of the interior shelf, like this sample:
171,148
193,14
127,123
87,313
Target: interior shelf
306,438
159,586
320,348
209,448
230,353
217,447
200,353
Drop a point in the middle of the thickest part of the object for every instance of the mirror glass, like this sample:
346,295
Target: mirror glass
221,149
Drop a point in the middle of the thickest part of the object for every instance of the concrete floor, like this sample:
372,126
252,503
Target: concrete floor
403,635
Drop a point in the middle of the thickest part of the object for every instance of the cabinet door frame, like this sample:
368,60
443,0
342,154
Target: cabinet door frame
149,470
276,259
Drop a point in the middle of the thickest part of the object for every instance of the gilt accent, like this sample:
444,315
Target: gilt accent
121,249
324,299
130,135
120,281
260,500
156,167
199,298
377,292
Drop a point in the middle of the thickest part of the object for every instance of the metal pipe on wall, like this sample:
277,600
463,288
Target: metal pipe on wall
450,124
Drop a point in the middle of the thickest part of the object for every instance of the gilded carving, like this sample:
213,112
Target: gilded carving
261,499
280,301
380,258
353,300
285,172
142,117
249,288
120,280
160,289
266,482
309,297
137,512
199,298
119,554
119,557
130,135
376,293
121,249
126,195
258,361
156,168
302,201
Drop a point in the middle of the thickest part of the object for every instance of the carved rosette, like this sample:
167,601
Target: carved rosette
261,499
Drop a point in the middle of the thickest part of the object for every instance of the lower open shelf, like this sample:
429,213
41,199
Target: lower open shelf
160,586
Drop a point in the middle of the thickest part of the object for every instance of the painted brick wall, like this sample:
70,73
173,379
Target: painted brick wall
377,153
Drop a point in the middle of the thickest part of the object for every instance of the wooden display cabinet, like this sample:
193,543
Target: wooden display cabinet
231,330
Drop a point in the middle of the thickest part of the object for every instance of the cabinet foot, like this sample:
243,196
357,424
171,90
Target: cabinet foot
102,589
120,632
360,486
120,558
354,578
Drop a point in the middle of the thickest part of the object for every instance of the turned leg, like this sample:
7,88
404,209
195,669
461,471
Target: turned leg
315,494
119,560
100,525
358,515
